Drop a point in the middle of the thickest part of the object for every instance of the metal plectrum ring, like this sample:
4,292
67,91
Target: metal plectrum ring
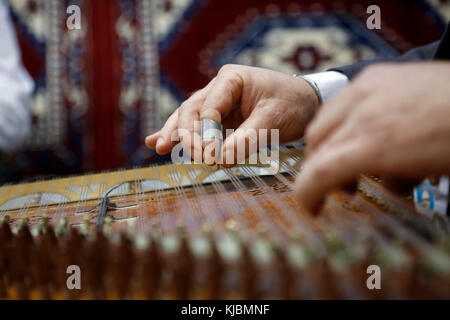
211,130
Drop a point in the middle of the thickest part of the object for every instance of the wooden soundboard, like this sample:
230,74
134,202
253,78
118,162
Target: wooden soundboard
194,231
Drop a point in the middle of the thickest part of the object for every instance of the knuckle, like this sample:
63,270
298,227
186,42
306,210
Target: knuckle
379,134
182,109
363,86
226,68
369,117
197,95
363,117
183,133
345,159
194,94
233,85
230,73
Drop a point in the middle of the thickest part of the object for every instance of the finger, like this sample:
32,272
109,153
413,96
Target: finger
150,141
161,140
212,114
330,169
244,141
210,138
222,97
189,126
346,130
211,153
330,116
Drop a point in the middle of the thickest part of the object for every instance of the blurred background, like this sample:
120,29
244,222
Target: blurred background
101,89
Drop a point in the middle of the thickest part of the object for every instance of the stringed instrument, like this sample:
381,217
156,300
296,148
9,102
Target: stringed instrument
192,231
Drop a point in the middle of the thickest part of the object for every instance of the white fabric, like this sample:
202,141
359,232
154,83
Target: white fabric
441,203
329,83
16,87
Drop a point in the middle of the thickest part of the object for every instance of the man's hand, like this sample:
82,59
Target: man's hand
241,98
393,120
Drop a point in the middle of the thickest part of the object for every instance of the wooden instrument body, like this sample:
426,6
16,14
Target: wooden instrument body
193,231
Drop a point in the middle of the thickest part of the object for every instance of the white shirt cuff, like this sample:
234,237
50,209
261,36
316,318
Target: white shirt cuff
329,83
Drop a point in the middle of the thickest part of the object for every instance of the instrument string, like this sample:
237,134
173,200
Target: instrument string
397,228
54,200
68,207
291,153
293,217
102,194
113,186
266,190
84,195
110,201
231,204
156,219
302,220
256,207
209,205
293,156
61,208
46,199
355,224
289,170
124,188
27,202
140,201
188,210
17,189
165,212
381,239
137,197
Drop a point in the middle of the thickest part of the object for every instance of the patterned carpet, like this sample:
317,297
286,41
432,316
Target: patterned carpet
100,90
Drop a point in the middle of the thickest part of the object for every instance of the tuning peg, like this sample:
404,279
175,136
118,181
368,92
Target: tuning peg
5,219
61,229
43,225
107,225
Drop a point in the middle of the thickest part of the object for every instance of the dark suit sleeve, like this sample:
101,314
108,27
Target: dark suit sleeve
417,54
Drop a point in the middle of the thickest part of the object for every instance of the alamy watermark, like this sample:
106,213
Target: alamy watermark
74,280
73,21
243,146
374,20
374,280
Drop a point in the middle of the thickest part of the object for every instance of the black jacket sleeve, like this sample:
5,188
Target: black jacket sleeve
439,50
417,54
